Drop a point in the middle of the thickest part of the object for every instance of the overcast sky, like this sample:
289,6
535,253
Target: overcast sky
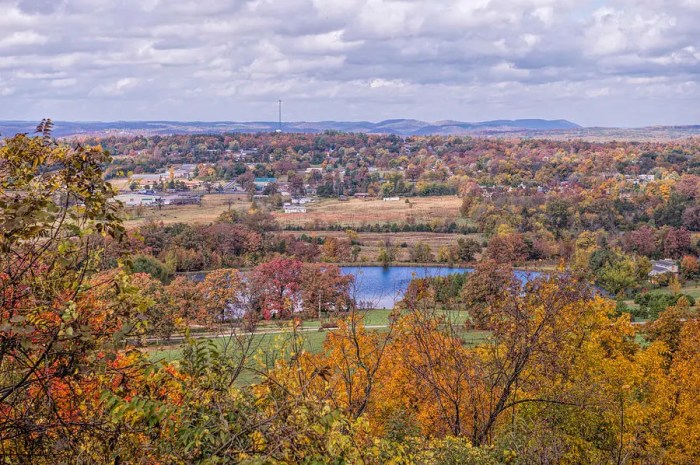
601,62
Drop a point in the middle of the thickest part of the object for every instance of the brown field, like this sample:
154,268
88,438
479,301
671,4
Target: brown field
351,213
356,212
212,206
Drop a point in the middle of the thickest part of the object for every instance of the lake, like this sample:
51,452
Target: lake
380,287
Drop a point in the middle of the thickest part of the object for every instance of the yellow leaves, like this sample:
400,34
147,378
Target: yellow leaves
258,441
504,229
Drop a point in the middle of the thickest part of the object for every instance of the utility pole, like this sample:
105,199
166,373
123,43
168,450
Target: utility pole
279,127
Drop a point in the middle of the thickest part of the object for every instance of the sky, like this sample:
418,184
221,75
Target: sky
598,63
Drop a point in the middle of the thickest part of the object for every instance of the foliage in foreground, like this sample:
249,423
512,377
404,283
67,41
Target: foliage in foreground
561,378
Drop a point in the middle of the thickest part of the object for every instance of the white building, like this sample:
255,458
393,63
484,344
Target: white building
134,200
184,171
289,208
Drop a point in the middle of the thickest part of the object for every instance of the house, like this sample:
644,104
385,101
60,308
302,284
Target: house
660,267
641,179
184,171
626,195
391,199
243,154
135,200
260,183
289,208
301,201
361,195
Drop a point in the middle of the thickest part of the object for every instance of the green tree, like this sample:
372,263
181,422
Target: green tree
467,248
152,266
421,253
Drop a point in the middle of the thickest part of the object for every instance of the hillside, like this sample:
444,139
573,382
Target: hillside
402,127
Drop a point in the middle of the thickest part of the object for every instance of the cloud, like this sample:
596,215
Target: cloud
22,38
597,62
119,87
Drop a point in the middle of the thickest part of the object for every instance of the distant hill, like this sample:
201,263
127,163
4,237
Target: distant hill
522,128
402,127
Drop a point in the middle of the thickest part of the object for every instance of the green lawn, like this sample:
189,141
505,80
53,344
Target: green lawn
372,318
271,346
692,288
267,343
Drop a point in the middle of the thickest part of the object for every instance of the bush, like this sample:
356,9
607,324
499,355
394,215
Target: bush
152,266
651,305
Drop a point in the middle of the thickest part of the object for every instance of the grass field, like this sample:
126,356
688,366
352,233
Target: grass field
272,341
691,288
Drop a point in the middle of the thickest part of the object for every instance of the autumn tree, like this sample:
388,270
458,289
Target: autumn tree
507,248
677,242
325,290
221,294
187,299
420,252
467,248
276,287
456,390
489,283
690,268
160,312
62,320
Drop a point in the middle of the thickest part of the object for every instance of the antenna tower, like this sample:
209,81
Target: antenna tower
279,127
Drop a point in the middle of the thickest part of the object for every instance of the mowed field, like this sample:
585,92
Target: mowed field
692,288
351,213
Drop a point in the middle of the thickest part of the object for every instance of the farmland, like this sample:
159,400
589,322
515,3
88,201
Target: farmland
357,212
351,213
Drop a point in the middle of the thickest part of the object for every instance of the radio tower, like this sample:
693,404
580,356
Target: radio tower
279,127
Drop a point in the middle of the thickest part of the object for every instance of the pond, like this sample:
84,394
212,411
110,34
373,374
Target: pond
380,287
